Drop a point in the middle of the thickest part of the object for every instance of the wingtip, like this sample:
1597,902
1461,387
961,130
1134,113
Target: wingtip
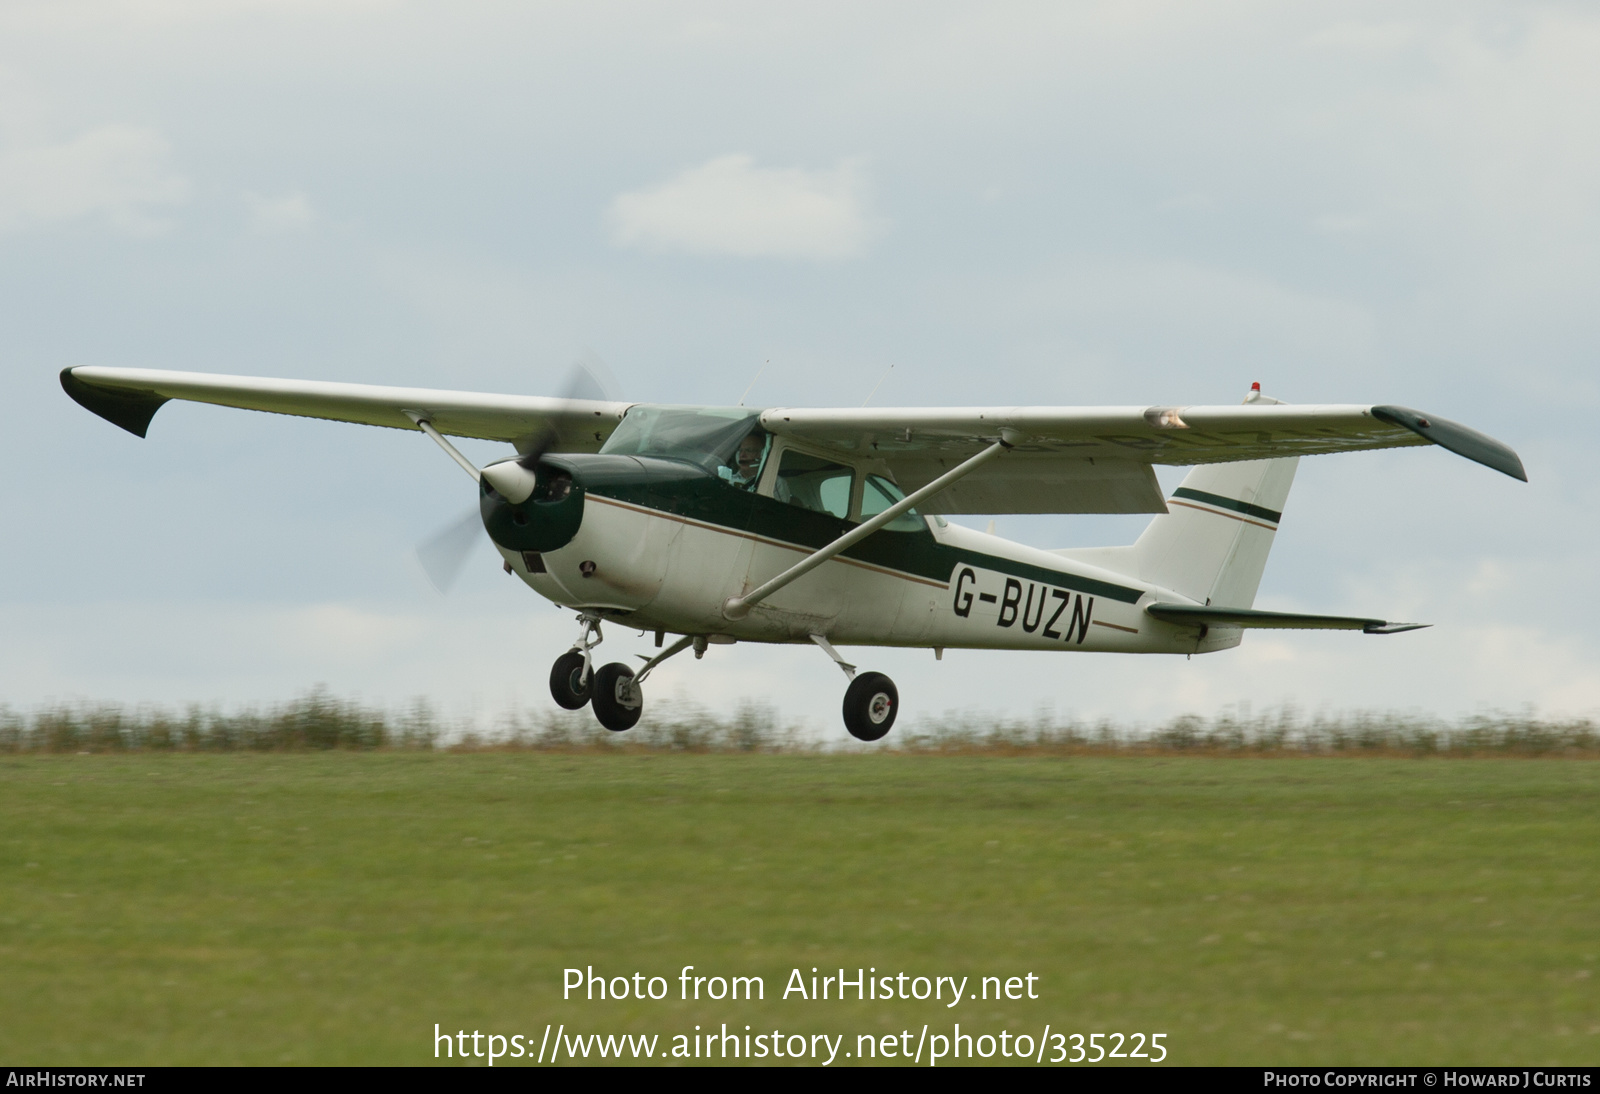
1455,437
131,410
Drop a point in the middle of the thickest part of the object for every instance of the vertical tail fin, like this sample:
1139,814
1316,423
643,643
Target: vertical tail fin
1212,544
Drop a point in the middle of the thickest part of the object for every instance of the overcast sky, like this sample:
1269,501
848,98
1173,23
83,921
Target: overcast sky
1018,203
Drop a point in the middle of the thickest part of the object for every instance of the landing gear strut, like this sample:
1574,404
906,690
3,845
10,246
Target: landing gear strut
870,702
572,676
617,701
612,690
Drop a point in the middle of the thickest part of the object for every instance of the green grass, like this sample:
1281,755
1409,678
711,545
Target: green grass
318,720
331,907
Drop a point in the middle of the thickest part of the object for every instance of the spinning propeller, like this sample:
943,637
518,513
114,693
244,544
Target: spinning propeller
444,554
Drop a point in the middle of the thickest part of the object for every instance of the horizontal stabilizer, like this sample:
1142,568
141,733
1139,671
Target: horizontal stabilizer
1195,615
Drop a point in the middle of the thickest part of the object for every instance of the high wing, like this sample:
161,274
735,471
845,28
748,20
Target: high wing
1099,459
130,397
1062,460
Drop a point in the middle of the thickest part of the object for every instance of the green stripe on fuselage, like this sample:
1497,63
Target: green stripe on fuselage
677,489
1228,503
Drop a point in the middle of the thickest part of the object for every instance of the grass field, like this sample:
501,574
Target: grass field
331,907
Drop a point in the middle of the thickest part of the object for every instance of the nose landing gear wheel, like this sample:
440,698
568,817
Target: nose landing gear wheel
567,685
616,700
870,704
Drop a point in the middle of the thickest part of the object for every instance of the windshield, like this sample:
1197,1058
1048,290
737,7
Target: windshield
708,436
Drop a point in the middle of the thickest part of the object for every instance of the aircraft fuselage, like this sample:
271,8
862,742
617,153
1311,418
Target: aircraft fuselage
660,544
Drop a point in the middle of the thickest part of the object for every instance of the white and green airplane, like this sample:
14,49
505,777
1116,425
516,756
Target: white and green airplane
827,527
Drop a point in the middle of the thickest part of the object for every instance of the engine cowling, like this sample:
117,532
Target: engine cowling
547,516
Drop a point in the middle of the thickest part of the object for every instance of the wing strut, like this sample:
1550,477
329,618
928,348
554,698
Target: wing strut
438,438
737,607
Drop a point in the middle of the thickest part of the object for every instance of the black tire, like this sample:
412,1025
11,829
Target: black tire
870,705
565,675
616,710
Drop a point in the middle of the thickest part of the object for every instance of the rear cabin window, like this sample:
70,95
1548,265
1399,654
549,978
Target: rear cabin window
812,483
877,494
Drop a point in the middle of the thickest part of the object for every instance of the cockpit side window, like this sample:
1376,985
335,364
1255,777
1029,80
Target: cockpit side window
813,483
743,468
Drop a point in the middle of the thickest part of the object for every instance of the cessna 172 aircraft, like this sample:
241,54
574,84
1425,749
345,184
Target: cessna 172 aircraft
827,527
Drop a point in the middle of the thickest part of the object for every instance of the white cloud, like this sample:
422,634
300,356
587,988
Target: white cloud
730,206
118,174
277,215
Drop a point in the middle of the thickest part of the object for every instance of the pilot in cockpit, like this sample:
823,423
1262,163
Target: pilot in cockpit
747,461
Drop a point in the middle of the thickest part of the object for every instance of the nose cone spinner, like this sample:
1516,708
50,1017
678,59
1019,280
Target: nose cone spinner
511,480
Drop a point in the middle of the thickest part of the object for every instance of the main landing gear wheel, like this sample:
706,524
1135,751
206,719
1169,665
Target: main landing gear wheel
870,704
616,700
567,684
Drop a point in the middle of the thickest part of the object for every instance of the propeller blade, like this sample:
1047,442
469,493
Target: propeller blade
589,378
444,554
